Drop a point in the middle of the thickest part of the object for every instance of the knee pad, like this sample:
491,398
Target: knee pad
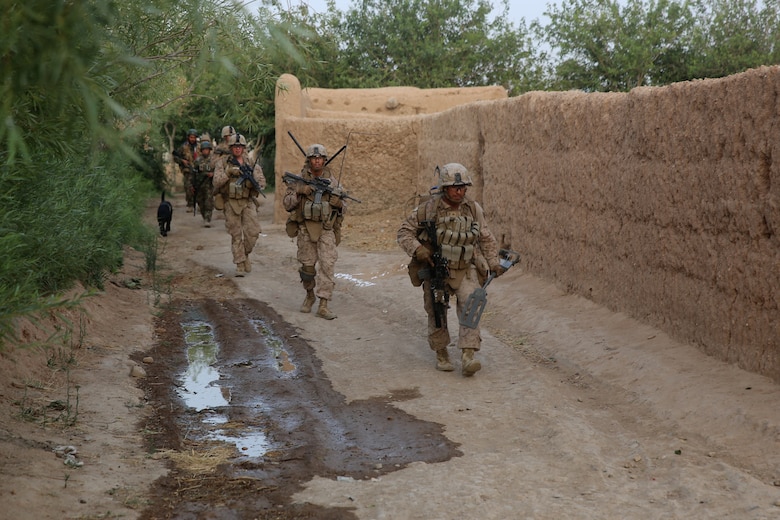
307,273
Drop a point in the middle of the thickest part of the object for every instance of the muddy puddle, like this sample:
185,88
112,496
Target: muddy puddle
247,417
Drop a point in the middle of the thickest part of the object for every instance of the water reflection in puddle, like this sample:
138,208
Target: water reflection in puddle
250,443
276,345
201,391
199,383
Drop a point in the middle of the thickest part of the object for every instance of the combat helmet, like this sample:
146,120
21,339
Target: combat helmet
454,174
192,131
227,130
316,150
237,139
205,144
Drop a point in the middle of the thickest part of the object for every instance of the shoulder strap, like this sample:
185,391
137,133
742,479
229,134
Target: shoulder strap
426,210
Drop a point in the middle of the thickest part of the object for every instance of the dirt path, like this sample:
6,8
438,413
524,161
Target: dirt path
577,413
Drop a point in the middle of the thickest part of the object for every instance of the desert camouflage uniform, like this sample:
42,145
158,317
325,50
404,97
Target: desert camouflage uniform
317,236
471,250
202,175
185,156
241,219
463,276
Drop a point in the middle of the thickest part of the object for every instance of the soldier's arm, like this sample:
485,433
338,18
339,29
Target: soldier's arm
220,175
257,173
488,244
290,200
407,234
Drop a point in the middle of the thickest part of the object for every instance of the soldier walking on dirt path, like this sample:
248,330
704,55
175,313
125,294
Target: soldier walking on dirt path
238,182
315,218
202,182
185,156
462,251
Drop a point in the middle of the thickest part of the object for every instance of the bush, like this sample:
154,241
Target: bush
62,221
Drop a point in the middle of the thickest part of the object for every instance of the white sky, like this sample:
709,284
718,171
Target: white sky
528,9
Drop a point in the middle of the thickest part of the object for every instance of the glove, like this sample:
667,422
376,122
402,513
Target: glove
303,189
336,202
423,254
497,270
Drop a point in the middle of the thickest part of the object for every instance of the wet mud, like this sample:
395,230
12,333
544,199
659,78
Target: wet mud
231,377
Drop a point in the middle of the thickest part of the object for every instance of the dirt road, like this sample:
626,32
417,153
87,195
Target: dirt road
577,413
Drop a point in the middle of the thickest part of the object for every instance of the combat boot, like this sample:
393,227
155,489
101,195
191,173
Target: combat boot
247,265
323,311
443,361
469,365
309,301
240,270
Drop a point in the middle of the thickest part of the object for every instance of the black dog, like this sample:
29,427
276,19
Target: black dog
164,215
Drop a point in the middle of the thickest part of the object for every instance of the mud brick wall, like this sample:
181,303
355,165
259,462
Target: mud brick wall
663,203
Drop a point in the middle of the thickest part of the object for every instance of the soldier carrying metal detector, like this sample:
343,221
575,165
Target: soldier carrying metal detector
452,250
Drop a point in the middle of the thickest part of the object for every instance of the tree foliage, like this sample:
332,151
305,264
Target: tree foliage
735,35
611,45
429,44
81,83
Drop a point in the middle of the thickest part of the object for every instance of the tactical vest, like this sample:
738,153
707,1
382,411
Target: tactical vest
202,167
244,191
457,231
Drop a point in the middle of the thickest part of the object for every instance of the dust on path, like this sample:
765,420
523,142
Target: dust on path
578,412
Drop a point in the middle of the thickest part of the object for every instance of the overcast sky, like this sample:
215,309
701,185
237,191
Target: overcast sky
528,9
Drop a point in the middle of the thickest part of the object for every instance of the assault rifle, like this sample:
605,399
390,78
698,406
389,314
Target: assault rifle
437,277
320,186
246,175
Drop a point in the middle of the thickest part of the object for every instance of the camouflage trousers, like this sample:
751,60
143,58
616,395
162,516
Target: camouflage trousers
205,200
322,252
187,183
439,337
243,226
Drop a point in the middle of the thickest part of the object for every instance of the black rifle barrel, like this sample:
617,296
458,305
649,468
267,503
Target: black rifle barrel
297,143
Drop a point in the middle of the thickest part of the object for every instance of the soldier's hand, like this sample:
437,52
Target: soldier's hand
497,270
303,189
336,202
423,254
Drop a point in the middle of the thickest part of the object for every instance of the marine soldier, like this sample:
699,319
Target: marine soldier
239,182
185,156
315,218
202,175
463,239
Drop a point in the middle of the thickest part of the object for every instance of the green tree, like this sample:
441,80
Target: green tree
433,43
605,46
735,35
81,83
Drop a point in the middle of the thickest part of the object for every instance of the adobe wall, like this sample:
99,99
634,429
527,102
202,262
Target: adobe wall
663,203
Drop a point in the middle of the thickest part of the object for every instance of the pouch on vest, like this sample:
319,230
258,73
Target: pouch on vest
415,266
314,229
219,201
291,227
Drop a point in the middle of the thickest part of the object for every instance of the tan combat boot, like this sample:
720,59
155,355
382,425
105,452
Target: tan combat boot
240,270
443,361
469,365
247,265
308,302
323,311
